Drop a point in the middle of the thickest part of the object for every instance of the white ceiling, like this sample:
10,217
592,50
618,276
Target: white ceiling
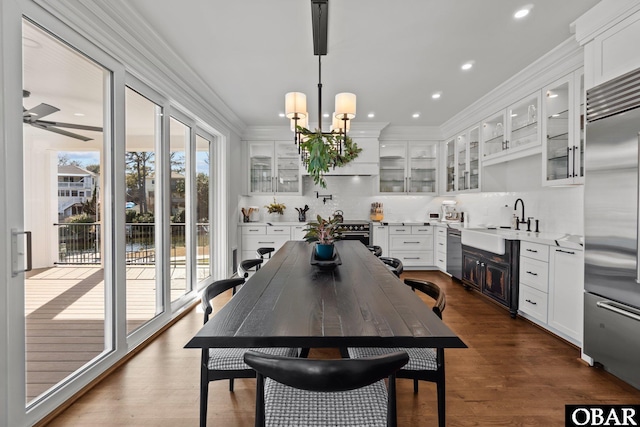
392,54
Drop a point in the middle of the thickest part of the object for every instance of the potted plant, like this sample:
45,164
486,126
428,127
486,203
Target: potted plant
324,232
276,208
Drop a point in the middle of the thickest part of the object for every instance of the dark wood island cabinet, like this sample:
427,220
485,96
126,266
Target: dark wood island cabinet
493,275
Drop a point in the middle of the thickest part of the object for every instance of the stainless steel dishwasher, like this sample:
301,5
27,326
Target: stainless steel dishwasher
454,252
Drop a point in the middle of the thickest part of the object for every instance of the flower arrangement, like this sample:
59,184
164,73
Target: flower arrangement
323,231
276,207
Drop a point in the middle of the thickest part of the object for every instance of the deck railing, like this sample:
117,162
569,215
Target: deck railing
80,243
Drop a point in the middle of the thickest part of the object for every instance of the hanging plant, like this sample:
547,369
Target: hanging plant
323,153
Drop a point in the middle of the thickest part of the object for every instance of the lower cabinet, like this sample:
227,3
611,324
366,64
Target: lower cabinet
258,236
495,276
380,237
440,248
412,244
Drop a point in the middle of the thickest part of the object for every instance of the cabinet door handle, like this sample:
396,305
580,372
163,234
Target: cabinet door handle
277,229
253,229
532,250
532,273
407,257
441,244
262,243
566,252
531,302
411,242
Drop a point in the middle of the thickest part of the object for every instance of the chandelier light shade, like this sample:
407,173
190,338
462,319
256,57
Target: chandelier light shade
345,106
295,105
337,124
303,122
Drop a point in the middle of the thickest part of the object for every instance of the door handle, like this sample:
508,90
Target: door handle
15,254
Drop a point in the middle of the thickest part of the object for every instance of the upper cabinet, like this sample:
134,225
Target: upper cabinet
512,133
408,167
563,127
274,167
463,162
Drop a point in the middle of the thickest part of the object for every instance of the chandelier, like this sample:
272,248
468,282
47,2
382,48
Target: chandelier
336,139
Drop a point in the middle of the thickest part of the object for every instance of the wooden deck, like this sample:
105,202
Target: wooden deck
65,312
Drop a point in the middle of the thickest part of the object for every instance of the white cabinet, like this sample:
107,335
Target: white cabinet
258,236
440,248
408,167
412,244
551,288
566,291
380,237
534,280
563,130
298,232
274,167
512,133
463,162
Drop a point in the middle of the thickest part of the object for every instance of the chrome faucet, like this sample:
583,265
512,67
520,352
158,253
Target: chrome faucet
521,220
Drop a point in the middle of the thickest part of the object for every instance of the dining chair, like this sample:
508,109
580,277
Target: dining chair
394,264
323,392
261,252
375,249
225,363
247,267
426,364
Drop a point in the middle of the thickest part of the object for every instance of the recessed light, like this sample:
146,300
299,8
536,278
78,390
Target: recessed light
371,115
416,115
523,11
467,65
78,114
514,114
552,95
436,95
281,114
325,115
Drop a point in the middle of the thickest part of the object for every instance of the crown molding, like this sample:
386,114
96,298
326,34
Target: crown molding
411,133
116,28
601,17
272,133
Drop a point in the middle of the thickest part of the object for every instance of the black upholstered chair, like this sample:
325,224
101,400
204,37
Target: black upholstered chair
375,249
247,267
426,364
261,252
225,363
394,264
317,392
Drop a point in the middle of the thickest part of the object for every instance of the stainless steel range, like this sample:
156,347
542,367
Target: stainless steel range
356,230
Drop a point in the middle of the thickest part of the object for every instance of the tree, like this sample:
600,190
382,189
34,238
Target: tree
140,165
63,160
93,168
202,191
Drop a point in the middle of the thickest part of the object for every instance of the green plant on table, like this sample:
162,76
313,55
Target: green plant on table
324,231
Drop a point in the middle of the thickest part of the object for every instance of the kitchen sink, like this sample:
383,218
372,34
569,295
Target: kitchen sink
486,239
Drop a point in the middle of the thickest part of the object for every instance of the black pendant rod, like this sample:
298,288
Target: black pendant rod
320,93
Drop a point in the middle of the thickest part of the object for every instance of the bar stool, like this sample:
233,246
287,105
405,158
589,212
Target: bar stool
375,249
393,264
261,252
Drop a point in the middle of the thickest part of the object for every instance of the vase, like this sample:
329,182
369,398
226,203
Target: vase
324,251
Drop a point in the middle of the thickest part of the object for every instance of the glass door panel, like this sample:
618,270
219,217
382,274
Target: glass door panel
288,164
422,160
578,163
65,304
451,165
203,208
461,148
557,144
261,167
180,135
523,124
143,124
474,158
393,172
493,135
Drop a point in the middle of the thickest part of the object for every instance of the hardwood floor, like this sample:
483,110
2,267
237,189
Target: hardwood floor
512,374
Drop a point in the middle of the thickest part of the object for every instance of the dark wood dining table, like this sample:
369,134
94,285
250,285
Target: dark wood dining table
291,303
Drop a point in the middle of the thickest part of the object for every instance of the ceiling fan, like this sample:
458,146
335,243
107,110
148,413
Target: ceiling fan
34,116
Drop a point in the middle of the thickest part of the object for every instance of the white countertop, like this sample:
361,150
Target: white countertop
568,241
273,224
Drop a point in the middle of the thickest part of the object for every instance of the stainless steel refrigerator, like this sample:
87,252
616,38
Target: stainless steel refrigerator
612,267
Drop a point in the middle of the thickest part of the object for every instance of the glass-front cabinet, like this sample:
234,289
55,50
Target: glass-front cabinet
274,167
408,167
463,162
515,130
563,127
